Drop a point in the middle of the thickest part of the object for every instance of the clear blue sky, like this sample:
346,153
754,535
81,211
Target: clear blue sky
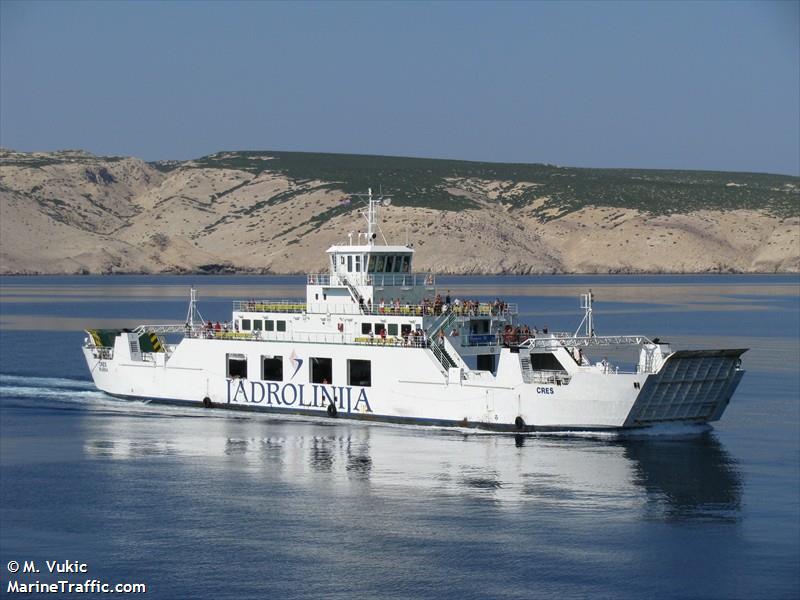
661,85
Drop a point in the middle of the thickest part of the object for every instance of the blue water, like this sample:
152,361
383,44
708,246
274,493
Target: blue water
213,505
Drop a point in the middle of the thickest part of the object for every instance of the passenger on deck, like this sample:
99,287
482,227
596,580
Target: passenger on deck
437,305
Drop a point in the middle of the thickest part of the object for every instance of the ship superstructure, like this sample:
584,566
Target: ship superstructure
376,340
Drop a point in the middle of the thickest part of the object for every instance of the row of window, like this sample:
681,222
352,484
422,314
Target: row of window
265,324
391,329
359,372
378,263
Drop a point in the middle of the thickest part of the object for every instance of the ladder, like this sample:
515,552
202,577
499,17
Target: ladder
352,289
525,365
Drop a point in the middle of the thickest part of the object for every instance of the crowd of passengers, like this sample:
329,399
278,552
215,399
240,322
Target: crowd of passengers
513,336
507,336
417,338
435,306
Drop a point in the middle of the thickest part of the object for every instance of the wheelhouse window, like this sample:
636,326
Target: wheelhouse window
359,372
281,325
245,324
389,264
379,264
236,366
406,263
272,368
371,267
321,370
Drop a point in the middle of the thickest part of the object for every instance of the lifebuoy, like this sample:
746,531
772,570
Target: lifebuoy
207,402
520,423
331,410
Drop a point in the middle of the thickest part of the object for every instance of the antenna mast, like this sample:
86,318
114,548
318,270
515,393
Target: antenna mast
190,314
588,318
372,217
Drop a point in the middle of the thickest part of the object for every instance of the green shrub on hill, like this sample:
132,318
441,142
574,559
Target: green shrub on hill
423,182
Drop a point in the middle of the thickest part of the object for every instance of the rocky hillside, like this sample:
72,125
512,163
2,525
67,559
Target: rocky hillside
73,212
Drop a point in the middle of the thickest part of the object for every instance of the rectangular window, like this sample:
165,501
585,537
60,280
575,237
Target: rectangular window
270,325
236,366
545,362
379,328
389,264
398,263
280,325
272,368
341,260
358,263
245,324
380,263
366,328
371,268
257,324
406,261
405,330
392,328
321,370
359,372
349,263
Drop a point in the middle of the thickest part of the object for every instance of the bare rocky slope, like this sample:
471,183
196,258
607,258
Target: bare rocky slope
73,212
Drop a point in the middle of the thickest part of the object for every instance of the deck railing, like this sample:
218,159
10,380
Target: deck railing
403,310
379,280
550,341
312,338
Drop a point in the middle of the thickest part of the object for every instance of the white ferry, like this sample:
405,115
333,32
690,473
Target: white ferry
375,341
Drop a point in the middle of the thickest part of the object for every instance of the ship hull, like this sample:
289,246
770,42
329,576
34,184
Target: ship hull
407,386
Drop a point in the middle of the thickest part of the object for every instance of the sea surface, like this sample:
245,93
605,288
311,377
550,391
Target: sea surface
208,504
